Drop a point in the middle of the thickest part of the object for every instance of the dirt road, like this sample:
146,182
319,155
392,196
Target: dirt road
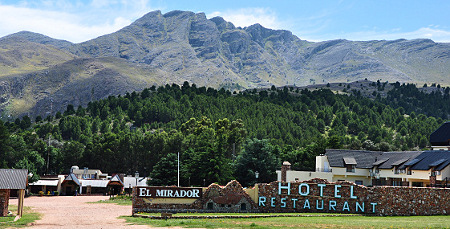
76,212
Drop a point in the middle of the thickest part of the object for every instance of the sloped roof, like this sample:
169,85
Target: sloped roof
416,160
95,183
72,177
391,159
381,161
45,182
412,162
400,161
131,181
363,158
439,159
441,136
349,161
116,179
13,178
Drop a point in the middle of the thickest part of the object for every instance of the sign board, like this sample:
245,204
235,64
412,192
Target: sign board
315,195
318,198
169,192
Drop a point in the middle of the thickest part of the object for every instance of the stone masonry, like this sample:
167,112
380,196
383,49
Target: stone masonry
284,168
231,198
379,200
4,201
315,195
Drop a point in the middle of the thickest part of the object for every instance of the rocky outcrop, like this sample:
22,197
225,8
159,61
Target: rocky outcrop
184,46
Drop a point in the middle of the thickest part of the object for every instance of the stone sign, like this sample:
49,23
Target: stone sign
316,195
170,192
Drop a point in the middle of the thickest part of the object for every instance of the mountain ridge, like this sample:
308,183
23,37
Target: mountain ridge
183,46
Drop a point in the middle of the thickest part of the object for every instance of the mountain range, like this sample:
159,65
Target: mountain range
41,75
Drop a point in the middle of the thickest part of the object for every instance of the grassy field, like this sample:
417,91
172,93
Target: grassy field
120,200
248,214
28,217
303,222
287,222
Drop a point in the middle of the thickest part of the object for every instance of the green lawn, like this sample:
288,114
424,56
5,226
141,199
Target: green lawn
303,222
287,222
248,214
120,200
28,217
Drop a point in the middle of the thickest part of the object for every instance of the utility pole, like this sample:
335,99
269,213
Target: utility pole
48,151
178,169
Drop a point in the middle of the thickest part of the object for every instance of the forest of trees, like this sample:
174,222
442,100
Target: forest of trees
220,135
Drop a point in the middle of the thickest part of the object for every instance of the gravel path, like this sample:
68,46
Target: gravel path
76,212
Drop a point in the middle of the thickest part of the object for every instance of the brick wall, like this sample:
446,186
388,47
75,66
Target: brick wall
4,201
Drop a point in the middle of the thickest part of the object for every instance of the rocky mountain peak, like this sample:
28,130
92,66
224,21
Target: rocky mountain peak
222,24
183,46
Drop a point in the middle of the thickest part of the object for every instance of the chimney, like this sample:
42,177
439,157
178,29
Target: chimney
284,168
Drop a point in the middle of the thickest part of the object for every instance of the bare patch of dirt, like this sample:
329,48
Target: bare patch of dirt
77,212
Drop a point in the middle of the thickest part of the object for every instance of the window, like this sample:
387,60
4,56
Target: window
350,164
435,173
210,206
417,184
399,171
409,172
396,170
351,168
243,207
359,182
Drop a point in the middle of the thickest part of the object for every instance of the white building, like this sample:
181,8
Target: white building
406,168
410,168
87,173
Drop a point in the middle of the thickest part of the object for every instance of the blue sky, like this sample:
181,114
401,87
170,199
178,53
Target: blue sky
313,20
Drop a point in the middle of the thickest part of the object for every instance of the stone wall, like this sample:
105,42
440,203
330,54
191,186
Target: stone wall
411,200
4,201
352,198
316,195
231,198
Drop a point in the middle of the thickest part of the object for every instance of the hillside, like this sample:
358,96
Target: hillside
184,46
212,129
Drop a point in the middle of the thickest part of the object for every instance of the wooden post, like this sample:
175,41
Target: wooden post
21,196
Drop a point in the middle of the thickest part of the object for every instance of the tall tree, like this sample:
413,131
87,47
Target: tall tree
257,156
165,171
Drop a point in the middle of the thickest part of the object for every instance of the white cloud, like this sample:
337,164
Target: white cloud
437,35
303,27
313,28
101,3
248,16
72,21
78,21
